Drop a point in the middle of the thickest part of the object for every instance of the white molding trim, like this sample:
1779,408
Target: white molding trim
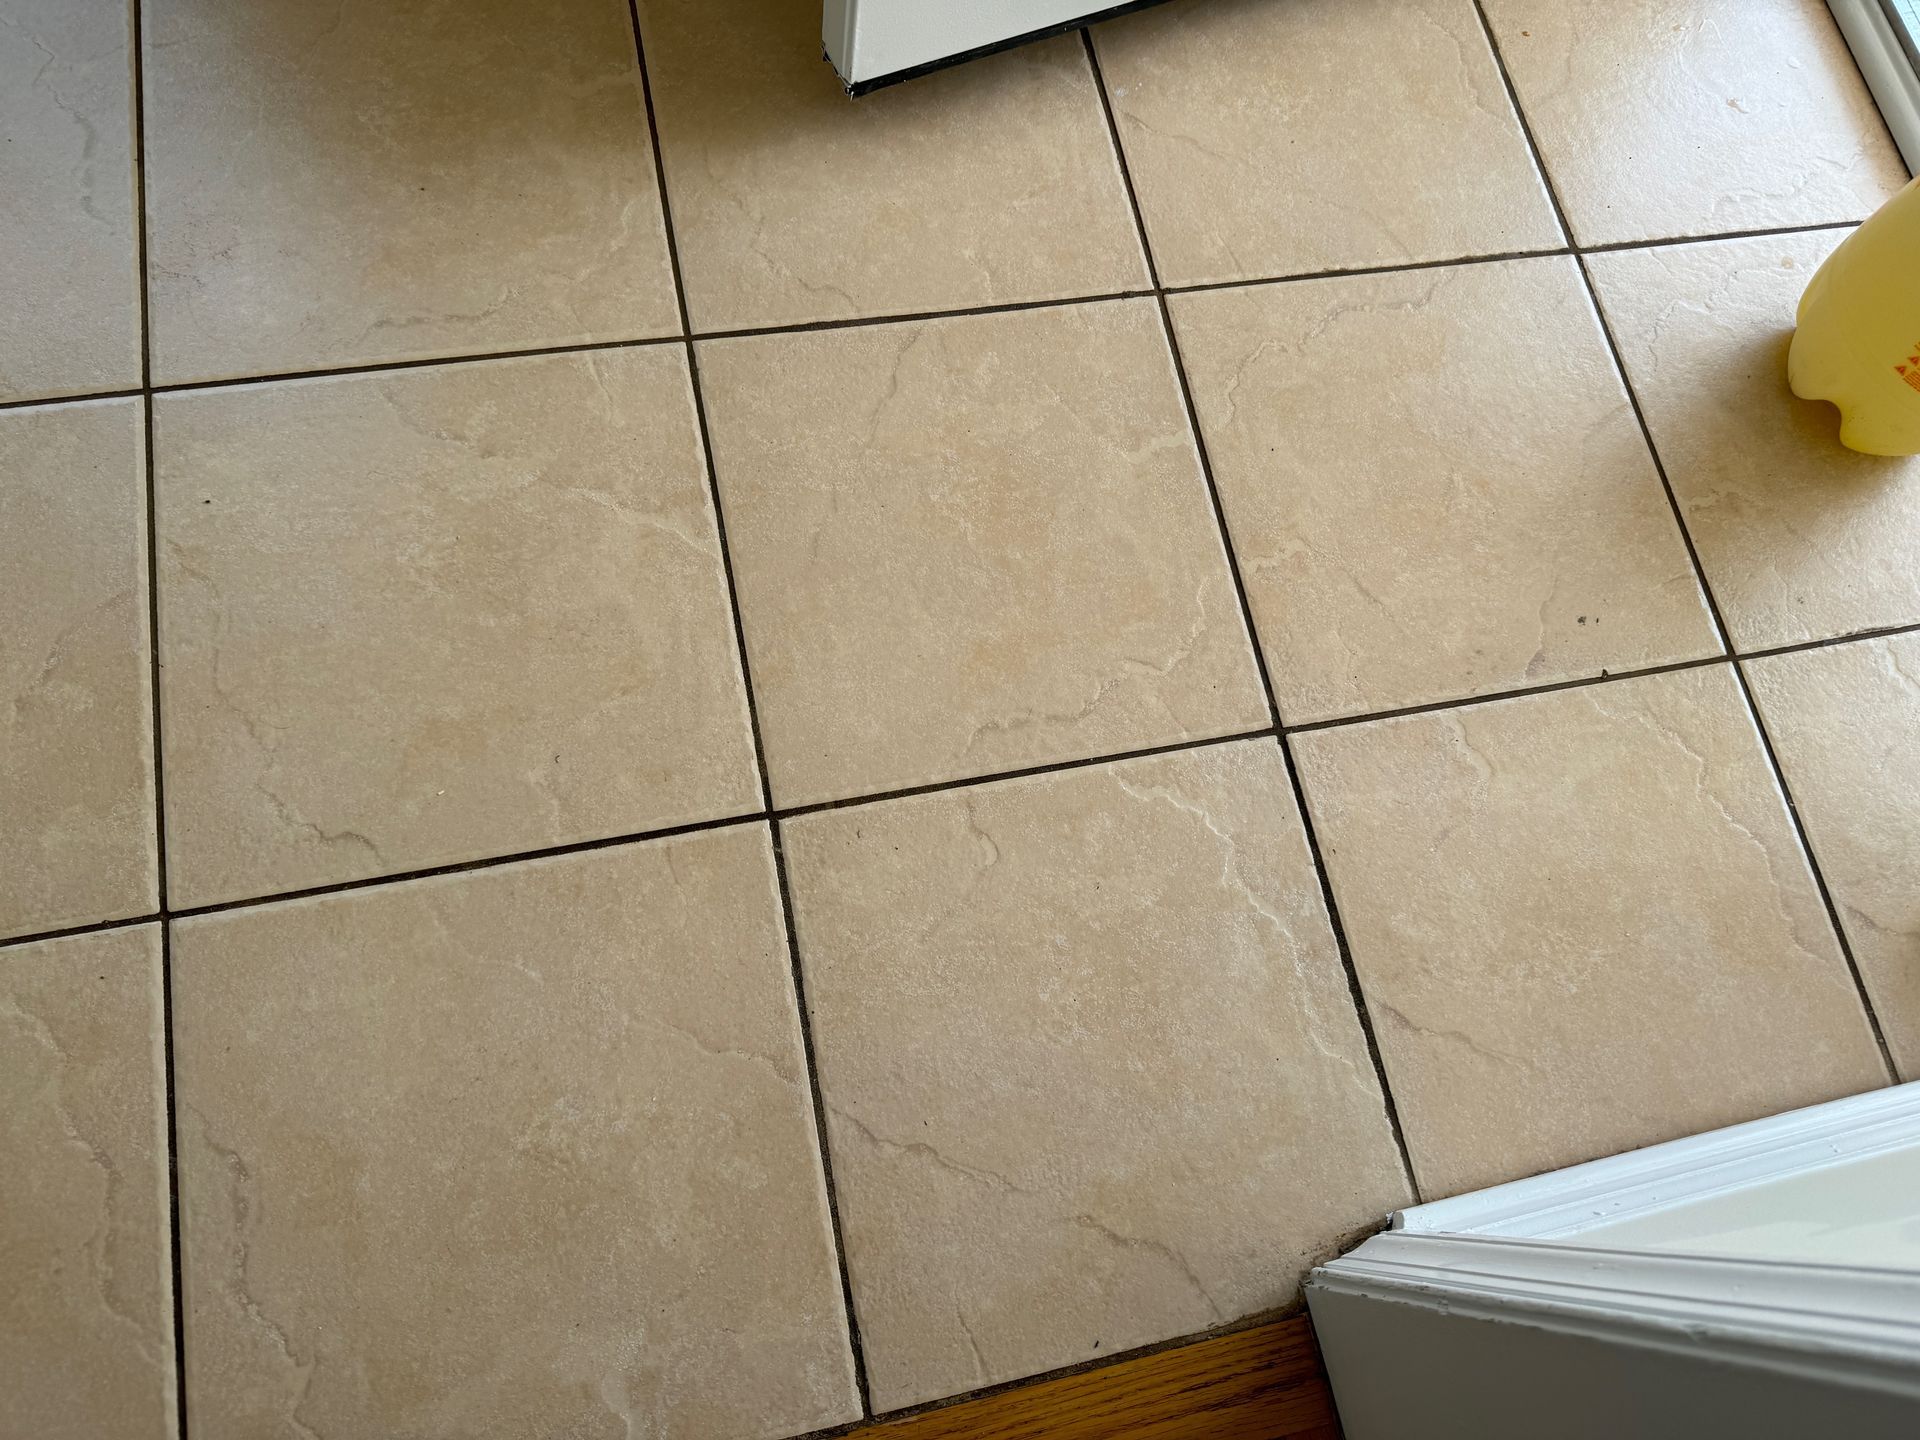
1565,1202
1837,1323
1484,1316
1887,68
873,40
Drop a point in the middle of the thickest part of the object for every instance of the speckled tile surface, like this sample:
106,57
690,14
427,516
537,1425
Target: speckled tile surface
1662,118
684,757
1091,1071
972,545
86,1314
77,844
1583,922
527,1149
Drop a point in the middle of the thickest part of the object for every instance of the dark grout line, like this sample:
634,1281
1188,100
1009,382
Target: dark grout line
1699,570
84,398
802,1012
1328,900
382,367
68,932
1349,272
1468,702
1354,988
462,867
1819,878
168,1072
1673,241
1050,767
1883,632
910,317
1526,128
935,787
136,47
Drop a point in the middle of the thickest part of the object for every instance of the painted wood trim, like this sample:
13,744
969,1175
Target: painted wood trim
1888,69
1563,1203
1266,1383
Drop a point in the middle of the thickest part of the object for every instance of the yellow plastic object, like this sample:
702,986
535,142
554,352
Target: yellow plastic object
1858,337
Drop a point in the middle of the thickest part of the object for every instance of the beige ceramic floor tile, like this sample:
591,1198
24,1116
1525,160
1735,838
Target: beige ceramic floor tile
1278,139
1583,924
439,614
1436,486
972,545
1846,725
365,181
86,1311
989,183
1091,1065
524,1151
1695,117
1801,539
70,298
76,726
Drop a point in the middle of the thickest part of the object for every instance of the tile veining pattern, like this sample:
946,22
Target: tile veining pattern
681,758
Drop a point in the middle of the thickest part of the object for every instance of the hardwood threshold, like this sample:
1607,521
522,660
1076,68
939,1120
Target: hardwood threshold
1265,1383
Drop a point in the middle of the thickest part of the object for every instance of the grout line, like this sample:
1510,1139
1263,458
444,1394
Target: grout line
168,1071
1605,677
911,317
461,867
1699,570
1671,241
1049,767
1354,988
1819,879
808,327
83,398
136,47
68,932
381,367
1348,272
1334,922
855,1347
795,812
1881,633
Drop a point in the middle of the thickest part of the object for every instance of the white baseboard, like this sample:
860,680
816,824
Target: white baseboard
1565,1202
1486,1316
1887,68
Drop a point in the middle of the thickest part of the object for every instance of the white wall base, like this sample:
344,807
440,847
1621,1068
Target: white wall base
1887,68
870,40
1487,1315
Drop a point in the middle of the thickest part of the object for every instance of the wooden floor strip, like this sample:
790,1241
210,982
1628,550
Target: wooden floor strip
1261,1384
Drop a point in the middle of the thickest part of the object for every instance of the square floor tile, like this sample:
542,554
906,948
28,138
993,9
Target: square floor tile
1583,924
1091,1066
439,614
972,545
1845,723
1278,139
1436,486
86,1313
368,181
76,725
528,1150
992,182
1659,118
70,302
1801,538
